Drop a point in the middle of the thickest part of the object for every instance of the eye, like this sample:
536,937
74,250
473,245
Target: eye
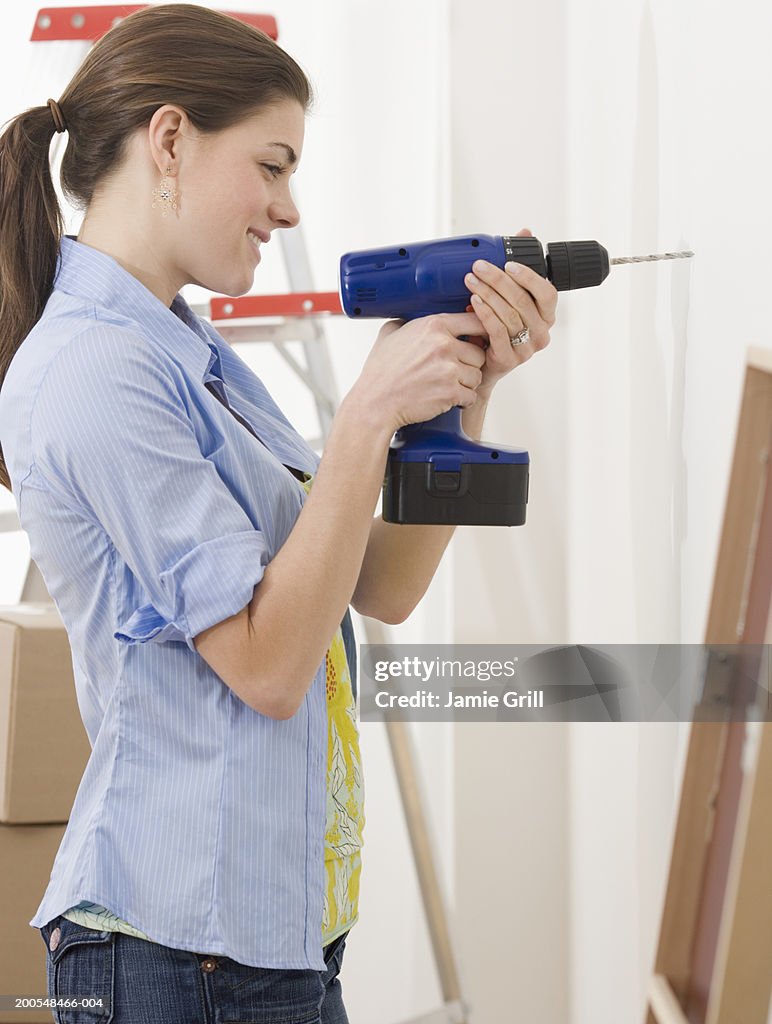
274,169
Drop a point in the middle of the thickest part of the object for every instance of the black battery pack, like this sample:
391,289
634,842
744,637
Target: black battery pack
476,494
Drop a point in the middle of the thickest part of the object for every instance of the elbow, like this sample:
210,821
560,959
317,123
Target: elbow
396,616
277,696
390,612
283,713
279,711
273,704
230,649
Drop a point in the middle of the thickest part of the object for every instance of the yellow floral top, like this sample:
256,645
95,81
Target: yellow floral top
345,799
345,811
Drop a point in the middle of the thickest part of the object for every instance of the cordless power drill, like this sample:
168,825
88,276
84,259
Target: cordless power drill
435,473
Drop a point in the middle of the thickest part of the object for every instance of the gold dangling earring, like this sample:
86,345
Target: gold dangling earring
165,195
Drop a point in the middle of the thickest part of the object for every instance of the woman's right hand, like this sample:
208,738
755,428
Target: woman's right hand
419,369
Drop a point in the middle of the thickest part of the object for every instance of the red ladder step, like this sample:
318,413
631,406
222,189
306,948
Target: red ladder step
91,23
291,304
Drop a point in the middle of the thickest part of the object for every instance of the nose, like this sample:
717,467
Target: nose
284,213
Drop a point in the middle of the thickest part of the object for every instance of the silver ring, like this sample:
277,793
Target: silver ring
521,338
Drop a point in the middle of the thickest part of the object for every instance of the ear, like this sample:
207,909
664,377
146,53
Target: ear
165,137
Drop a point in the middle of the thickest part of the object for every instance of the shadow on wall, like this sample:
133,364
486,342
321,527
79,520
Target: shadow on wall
658,476
658,482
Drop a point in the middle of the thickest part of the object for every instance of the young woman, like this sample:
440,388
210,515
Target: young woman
201,556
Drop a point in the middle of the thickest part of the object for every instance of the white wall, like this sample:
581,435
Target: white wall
665,103
512,813
640,124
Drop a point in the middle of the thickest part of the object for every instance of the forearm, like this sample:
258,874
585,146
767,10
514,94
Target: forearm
401,560
307,587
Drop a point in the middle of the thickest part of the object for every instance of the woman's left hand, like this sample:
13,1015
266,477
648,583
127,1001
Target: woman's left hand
506,302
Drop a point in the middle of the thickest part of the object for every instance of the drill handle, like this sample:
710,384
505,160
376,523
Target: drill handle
439,429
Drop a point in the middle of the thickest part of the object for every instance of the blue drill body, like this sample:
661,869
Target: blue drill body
407,282
436,473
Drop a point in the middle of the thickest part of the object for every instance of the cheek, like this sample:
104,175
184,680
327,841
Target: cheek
209,195
213,226
233,211
220,206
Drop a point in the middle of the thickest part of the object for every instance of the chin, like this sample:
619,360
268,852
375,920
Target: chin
230,287
236,292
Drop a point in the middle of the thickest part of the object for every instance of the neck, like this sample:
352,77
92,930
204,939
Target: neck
133,250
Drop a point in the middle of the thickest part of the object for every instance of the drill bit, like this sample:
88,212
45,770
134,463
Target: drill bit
656,256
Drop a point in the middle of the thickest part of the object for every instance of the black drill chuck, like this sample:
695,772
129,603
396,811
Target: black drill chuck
576,264
568,264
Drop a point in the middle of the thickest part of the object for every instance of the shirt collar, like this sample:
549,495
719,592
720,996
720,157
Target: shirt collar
92,275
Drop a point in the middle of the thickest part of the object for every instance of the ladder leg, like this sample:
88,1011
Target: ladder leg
406,773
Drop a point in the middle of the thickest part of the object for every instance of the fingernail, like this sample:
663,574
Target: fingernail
513,268
480,266
471,280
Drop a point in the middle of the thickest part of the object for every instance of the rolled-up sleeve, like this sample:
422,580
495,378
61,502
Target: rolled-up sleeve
111,433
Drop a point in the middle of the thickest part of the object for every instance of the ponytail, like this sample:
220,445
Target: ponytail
31,227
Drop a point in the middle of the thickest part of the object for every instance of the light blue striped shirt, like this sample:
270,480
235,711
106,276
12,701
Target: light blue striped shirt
152,513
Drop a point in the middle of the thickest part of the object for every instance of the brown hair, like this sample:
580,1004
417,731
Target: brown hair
218,69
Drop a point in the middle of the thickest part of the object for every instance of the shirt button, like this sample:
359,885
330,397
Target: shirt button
208,965
53,942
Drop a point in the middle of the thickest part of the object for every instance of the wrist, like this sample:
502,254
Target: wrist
472,418
485,390
367,417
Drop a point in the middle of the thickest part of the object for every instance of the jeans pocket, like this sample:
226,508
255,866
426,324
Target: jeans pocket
81,967
334,957
266,995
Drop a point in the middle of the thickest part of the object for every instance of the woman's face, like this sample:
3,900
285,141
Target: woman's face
230,185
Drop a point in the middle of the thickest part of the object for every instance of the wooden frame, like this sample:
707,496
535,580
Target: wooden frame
714,959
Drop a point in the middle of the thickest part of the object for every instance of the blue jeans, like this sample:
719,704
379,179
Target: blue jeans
147,983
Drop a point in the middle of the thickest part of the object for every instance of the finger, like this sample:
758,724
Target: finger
510,284
464,325
465,396
517,274
470,376
527,233
470,355
459,323
479,341
543,291
513,305
500,347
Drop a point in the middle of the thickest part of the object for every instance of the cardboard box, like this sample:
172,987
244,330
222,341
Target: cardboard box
27,855
43,744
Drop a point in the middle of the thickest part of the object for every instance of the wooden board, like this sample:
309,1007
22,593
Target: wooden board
714,958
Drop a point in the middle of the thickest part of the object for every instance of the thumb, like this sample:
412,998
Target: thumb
477,340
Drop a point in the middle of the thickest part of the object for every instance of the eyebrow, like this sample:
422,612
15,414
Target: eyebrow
291,155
